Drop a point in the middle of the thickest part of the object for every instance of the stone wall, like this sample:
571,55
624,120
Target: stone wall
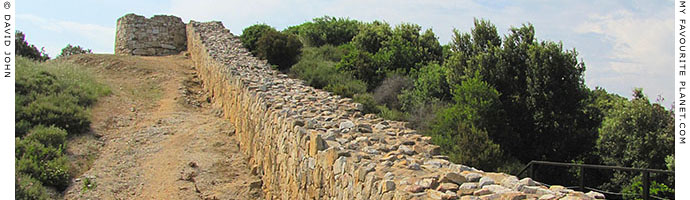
161,35
308,144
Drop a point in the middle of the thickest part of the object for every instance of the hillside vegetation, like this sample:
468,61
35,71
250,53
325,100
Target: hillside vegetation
490,101
52,101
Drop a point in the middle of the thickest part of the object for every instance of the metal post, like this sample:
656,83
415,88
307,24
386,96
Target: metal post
582,178
531,171
645,186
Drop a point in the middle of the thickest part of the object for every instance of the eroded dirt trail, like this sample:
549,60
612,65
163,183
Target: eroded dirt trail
161,138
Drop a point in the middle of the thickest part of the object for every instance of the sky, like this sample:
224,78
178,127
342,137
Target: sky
625,44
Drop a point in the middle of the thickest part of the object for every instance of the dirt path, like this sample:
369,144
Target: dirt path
159,136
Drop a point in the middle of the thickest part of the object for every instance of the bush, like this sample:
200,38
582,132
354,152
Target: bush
49,136
367,100
363,66
54,94
387,93
73,50
45,163
391,114
28,188
250,36
429,85
346,86
51,101
655,189
279,49
328,30
324,53
59,110
422,115
469,145
27,50
317,64
462,131
372,36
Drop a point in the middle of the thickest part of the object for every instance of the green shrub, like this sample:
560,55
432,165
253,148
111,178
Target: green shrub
279,49
54,93
467,144
27,50
462,131
635,189
50,136
315,73
73,50
61,110
328,30
367,100
429,85
51,101
363,66
346,86
324,53
28,188
250,35
45,163
391,114
372,36
316,65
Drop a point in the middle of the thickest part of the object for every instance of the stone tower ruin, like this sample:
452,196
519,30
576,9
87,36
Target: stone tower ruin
158,36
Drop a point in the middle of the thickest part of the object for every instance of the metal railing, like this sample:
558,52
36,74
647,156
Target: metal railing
645,174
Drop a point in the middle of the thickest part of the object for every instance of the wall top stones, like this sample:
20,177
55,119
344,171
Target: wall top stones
158,36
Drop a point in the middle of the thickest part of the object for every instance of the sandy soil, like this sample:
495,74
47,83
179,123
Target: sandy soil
158,136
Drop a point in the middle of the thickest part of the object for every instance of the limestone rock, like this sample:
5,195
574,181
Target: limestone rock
447,186
469,186
548,197
497,189
427,183
513,196
595,195
453,178
316,143
485,181
386,186
469,198
472,177
481,192
347,124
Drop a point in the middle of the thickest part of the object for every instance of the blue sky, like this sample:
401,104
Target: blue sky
624,44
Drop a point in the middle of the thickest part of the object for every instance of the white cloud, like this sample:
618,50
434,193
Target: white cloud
641,53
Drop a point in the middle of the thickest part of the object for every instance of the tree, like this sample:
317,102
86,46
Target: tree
636,134
25,49
429,85
372,35
542,90
463,130
407,48
328,30
250,36
363,66
279,49
73,50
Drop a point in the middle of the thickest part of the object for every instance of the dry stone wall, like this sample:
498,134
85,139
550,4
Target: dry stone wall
308,144
161,35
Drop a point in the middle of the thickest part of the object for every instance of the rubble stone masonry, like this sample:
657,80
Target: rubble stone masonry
306,143
161,35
